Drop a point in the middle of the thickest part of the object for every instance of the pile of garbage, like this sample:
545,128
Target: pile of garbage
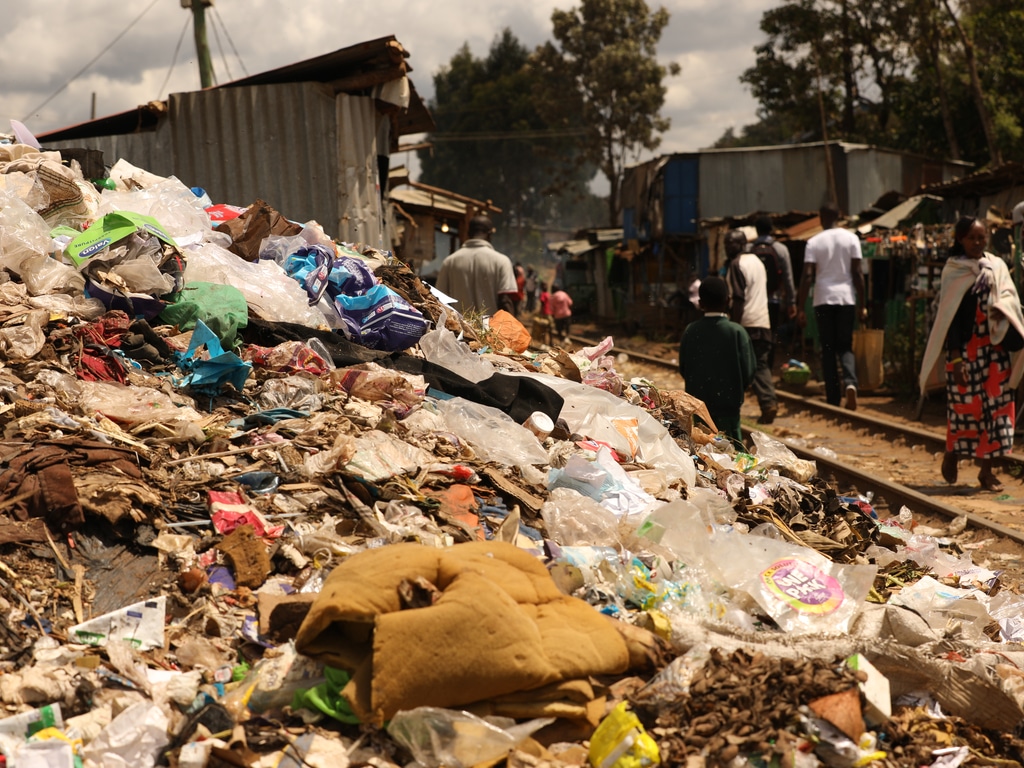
268,501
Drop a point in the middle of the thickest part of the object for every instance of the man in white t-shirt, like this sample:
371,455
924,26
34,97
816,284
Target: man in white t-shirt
479,277
832,264
748,287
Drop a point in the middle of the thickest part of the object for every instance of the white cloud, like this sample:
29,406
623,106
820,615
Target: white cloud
45,44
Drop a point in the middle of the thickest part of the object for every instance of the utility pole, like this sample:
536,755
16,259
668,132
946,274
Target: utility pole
199,32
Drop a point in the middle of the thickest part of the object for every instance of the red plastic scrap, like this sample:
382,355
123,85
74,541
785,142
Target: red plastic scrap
229,510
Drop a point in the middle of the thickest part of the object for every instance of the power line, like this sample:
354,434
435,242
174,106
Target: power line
503,135
174,59
220,47
91,62
219,20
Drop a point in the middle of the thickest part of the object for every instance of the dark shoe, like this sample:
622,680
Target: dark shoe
949,468
851,398
768,415
990,482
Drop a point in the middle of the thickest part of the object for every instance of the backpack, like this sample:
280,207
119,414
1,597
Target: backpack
768,256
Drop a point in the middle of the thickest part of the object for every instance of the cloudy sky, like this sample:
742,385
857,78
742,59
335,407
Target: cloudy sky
55,54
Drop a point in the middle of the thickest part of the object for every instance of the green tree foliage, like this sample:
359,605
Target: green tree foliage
493,142
892,73
602,72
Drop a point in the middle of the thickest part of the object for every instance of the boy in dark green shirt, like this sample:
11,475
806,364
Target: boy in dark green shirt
716,359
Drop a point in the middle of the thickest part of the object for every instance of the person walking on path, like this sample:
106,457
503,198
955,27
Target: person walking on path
748,284
716,359
832,266
561,310
980,328
531,289
781,300
520,300
477,276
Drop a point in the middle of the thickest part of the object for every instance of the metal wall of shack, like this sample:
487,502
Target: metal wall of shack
309,153
682,195
734,182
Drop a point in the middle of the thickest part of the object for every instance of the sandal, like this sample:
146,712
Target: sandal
949,468
990,482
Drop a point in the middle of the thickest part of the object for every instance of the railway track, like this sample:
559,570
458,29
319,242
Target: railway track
887,493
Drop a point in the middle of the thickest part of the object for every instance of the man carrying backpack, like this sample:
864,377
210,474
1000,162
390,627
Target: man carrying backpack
781,287
749,290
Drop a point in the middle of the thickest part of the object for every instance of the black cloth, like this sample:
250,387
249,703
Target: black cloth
518,396
962,327
343,352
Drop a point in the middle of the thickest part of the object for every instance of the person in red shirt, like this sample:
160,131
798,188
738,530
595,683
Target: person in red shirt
545,300
561,310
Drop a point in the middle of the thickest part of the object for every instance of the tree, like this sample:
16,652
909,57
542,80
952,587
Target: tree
938,77
976,90
857,48
494,142
602,72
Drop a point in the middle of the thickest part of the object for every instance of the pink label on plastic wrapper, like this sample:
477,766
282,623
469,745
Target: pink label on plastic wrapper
802,586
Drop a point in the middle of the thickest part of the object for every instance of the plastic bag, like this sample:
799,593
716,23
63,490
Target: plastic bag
657,447
25,246
943,606
799,588
442,348
287,357
138,405
168,201
279,247
576,520
301,392
679,527
73,306
269,292
509,331
381,319
604,481
26,340
444,737
620,741
221,307
492,433
773,454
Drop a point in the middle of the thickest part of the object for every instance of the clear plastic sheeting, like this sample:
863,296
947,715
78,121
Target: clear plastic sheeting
492,433
267,288
443,737
442,348
799,588
576,520
657,447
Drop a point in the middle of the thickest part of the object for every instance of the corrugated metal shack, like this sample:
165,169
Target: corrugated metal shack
667,201
795,177
312,139
587,271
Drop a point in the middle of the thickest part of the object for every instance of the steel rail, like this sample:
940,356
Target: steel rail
895,495
888,427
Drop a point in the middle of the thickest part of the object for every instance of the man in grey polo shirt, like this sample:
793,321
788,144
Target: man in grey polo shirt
480,278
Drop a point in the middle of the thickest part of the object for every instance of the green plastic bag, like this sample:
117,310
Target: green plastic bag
222,307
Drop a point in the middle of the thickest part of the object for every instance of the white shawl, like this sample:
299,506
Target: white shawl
958,277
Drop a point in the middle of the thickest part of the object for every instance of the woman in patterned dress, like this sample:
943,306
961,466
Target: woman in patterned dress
979,325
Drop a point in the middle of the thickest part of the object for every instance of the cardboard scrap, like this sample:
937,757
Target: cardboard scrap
842,710
248,557
875,689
